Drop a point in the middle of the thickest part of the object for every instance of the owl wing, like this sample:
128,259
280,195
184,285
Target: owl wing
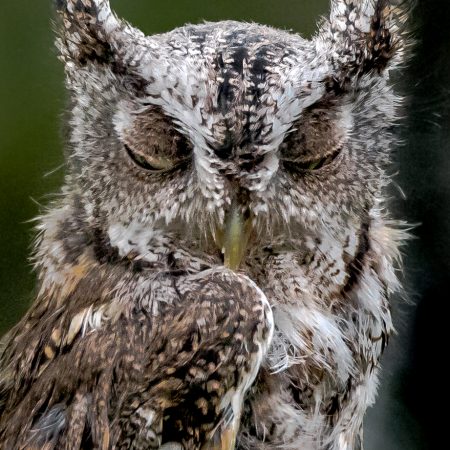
136,378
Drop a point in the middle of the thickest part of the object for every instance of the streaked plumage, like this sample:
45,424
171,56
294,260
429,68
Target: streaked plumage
220,263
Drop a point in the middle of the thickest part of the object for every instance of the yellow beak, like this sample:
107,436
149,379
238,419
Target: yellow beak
235,236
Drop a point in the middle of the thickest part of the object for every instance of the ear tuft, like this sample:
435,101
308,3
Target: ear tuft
386,37
366,35
83,34
90,32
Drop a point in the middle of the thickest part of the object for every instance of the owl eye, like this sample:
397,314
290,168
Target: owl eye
150,162
154,142
158,149
313,164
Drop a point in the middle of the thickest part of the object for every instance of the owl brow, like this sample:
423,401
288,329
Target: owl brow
332,94
151,112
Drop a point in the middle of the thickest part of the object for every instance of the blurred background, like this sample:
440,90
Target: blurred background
32,100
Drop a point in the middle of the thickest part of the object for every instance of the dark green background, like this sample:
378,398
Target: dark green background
32,100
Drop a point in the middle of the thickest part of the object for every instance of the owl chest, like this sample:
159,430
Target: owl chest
330,305
330,330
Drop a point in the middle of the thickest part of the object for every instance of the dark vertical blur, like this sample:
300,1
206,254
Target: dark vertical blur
414,381
31,102
425,163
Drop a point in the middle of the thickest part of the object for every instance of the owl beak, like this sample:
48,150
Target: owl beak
235,236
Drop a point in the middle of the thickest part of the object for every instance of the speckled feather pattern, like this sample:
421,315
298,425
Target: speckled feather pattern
139,337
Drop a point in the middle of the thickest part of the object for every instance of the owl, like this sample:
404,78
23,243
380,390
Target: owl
216,272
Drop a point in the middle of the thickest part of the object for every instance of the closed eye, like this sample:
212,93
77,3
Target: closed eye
152,142
313,164
153,163
149,162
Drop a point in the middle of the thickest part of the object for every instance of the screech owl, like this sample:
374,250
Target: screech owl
216,272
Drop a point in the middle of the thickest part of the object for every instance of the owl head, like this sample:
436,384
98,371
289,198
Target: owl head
217,134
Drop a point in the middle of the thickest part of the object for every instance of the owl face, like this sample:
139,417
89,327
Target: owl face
213,147
220,135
